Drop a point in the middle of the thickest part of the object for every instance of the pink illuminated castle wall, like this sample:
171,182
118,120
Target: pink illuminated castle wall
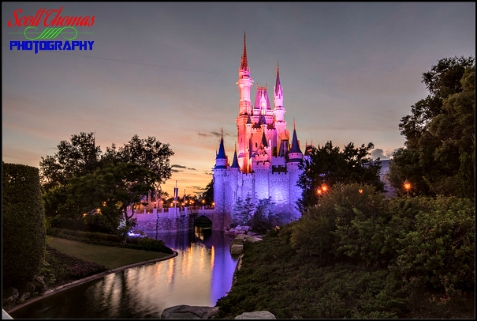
265,161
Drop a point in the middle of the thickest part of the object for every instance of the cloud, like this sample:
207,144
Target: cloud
181,166
214,134
378,153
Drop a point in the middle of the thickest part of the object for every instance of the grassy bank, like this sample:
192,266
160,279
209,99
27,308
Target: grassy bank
68,260
274,278
111,257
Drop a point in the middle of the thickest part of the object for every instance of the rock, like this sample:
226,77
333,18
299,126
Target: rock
40,285
236,249
24,296
189,312
255,315
247,238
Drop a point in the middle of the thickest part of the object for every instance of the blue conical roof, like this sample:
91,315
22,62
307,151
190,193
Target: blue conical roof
221,153
294,147
235,161
264,140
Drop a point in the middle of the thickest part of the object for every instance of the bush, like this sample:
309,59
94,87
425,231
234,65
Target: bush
439,250
348,222
23,237
137,243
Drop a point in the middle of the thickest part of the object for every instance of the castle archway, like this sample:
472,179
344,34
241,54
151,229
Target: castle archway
203,221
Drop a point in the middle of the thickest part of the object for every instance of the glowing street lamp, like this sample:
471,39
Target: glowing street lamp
407,186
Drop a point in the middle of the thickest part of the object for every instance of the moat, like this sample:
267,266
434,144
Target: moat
200,274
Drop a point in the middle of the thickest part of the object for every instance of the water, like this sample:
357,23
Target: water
200,275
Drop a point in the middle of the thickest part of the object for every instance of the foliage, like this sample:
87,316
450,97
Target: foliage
258,215
439,248
146,243
274,278
361,218
348,222
328,165
439,157
110,190
65,177
357,255
262,219
23,223
208,194
243,211
74,158
148,152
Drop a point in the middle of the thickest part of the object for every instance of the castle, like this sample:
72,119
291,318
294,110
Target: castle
265,162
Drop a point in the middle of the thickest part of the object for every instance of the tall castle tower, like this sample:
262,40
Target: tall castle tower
265,164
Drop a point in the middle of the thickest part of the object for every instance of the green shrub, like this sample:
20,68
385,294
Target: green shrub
137,243
348,222
23,225
363,238
440,250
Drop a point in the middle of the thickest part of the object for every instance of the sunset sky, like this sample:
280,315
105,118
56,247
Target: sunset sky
350,72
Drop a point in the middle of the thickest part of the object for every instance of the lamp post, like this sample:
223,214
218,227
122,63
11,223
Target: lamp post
407,186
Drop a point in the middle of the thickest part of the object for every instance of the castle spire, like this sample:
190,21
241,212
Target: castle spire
244,62
294,147
221,153
235,163
278,86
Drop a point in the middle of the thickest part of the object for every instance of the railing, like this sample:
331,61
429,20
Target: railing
170,212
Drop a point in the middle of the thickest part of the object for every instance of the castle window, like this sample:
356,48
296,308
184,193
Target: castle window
256,145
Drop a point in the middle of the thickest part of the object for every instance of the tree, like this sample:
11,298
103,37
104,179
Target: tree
111,190
147,152
208,194
243,210
74,158
439,152
80,157
262,219
328,165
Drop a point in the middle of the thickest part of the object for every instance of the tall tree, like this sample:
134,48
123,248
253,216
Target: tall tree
147,152
329,165
439,152
208,194
74,158
111,190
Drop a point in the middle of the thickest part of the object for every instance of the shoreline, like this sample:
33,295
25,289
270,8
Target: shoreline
66,286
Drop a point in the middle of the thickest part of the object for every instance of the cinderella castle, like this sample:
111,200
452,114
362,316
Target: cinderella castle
266,159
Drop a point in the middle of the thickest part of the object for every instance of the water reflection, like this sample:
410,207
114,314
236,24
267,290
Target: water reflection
199,275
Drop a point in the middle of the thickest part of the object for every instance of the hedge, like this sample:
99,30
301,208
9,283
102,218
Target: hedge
23,230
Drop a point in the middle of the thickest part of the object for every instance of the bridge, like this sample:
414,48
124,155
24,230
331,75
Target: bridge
181,219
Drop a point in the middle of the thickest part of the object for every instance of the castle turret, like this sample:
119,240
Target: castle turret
220,175
235,163
221,158
295,154
244,82
278,99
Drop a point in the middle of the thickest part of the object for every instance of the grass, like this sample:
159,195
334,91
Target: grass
111,257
